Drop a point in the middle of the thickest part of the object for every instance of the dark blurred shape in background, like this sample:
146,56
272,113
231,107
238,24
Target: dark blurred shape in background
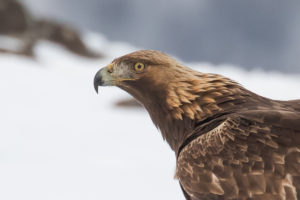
17,22
252,34
128,103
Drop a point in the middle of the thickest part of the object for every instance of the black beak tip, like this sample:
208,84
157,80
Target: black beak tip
96,87
97,81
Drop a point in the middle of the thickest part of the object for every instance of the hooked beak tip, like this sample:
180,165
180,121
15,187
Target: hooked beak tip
96,88
97,81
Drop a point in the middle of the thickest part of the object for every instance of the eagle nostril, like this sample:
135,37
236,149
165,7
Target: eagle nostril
110,69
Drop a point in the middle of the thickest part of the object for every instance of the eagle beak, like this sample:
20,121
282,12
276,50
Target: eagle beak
103,78
98,80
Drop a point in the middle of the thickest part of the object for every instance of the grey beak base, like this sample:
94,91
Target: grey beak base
103,78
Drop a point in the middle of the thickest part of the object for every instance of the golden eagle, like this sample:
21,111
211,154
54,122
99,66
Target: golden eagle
230,143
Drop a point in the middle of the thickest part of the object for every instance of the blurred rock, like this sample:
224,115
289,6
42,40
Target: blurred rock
128,103
17,22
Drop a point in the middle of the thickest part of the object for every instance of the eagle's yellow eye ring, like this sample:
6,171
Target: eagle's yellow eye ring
139,67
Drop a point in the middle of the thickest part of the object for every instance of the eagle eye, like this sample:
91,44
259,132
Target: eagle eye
139,67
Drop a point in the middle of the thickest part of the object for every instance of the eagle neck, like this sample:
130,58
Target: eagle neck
177,107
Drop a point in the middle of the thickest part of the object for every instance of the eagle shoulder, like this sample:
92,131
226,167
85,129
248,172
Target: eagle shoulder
245,156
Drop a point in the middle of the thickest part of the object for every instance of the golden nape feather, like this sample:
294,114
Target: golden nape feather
229,143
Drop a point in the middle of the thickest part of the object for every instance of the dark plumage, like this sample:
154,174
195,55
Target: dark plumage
229,142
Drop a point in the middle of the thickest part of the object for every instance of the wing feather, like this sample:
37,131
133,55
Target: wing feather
253,154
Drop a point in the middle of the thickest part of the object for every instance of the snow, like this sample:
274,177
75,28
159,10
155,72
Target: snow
59,139
10,43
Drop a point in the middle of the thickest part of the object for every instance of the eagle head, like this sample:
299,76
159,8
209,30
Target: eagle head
145,74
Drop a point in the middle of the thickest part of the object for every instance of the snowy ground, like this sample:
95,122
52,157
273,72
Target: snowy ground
61,141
